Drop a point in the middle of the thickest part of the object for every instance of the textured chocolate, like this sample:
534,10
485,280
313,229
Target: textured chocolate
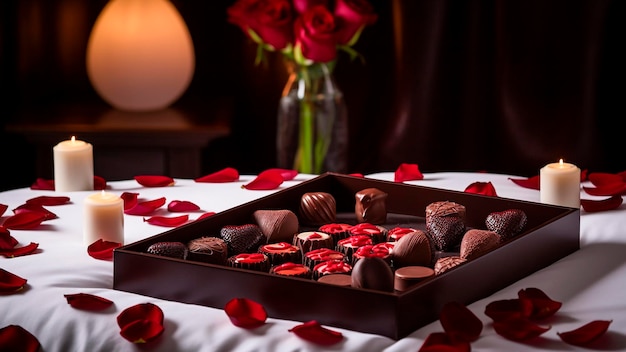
169,249
371,206
477,242
318,208
445,223
208,249
372,273
242,238
277,225
408,276
412,249
446,263
507,223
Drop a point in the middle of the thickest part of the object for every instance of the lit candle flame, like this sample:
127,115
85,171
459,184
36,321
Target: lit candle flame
561,162
73,139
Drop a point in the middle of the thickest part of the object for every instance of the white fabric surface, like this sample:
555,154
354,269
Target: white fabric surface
588,282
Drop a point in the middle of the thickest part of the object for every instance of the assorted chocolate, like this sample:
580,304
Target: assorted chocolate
369,254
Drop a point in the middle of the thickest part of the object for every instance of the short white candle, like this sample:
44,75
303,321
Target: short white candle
73,166
104,218
559,184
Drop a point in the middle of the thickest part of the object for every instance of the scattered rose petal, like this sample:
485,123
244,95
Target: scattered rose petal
43,185
154,180
145,208
10,282
24,221
266,180
600,179
228,174
182,205
35,207
531,182
583,175
287,174
312,331
87,301
441,342
407,172
141,323
484,188
130,199
206,215
356,175
6,240
99,183
611,203
507,308
460,323
167,221
586,333
518,329
611,189
543,306
16,338
49,200
20,251
102,249
3,208
245,313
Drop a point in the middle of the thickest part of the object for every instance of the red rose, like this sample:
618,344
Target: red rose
271,20
315,34
352,16
302,5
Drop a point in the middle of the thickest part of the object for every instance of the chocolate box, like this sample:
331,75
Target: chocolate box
552,232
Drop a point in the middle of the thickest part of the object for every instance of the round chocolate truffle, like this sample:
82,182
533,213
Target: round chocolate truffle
410,275
372,273
318,208
277,225
413,248
477,242
371,206
169,249
208,249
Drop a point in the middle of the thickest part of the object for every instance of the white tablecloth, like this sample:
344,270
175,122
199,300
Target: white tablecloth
588,282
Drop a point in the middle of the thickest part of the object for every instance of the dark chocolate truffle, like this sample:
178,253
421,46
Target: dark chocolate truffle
208,249
242,238
445,223
507,223
414,248
372,273
169,249
318,208
277,225
477,242
371,206
410,275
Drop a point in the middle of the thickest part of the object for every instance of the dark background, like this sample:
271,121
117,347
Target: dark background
498,86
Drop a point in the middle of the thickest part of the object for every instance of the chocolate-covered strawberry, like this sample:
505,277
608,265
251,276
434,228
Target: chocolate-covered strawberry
507,223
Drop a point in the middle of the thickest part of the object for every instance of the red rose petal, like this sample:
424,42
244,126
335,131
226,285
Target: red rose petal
206,215
99,183
245,313
611,203
49,200
543,306
228,174
407,172
24,221
518,329
441,342
507,308
600,179
287,174
6,240
35,207
141,323
167,221
312,331
266,180
43,185
20,251
460,323
610,189
145,208
154,180
531,182
10,282
3,208
484,188
102,249
356,175
16,338
586,333
130,199
87,301
182,205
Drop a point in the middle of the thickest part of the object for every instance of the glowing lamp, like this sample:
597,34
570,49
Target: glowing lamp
140,55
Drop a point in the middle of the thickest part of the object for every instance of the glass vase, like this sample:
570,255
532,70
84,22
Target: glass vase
312,134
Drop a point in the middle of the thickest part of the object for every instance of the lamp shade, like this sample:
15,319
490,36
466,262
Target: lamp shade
140,55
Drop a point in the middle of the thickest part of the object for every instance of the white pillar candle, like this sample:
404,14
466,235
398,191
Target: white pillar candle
104,218
73,166
559,184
